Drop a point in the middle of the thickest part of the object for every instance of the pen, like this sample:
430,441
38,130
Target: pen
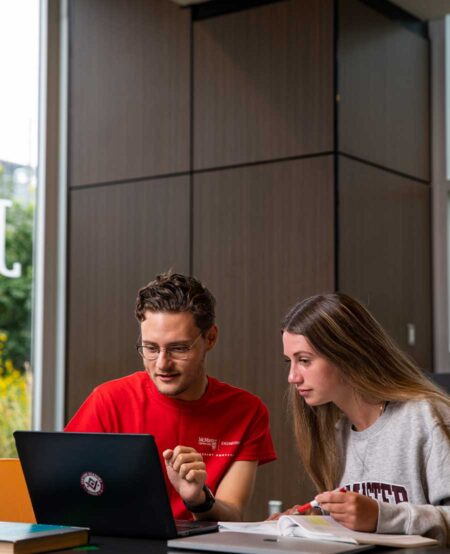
314,503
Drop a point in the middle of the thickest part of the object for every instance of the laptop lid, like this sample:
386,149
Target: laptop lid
253,543
112,483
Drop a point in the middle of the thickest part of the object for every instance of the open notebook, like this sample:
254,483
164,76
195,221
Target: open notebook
324,528
290,534
111,483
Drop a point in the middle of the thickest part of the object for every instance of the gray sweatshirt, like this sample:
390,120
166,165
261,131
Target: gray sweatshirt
403,462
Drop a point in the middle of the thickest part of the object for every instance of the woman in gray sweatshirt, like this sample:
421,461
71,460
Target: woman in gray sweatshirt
368,420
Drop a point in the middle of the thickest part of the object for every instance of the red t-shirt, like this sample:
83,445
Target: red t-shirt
226,425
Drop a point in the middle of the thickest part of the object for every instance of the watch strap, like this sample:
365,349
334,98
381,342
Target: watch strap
204,506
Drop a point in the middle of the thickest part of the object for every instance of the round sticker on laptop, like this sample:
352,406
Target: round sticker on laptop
92,483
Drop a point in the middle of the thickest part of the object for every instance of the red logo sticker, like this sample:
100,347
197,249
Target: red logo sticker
92,483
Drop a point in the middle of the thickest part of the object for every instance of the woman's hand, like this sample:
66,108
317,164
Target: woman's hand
353,510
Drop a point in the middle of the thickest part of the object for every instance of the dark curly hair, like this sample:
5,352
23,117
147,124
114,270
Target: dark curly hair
173,292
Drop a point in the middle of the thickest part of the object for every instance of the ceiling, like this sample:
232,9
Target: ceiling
423,9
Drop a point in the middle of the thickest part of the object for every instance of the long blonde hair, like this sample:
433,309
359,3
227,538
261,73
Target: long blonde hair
340,329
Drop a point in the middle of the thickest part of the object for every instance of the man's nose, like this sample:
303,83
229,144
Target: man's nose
163,360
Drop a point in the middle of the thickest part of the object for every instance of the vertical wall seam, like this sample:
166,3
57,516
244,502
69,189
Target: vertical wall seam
336,141
191,146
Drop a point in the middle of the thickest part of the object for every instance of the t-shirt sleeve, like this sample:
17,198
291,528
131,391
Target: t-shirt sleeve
257,441
91,417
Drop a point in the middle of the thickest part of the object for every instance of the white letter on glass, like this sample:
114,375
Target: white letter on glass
16,271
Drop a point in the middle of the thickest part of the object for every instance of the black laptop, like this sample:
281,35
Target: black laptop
111,483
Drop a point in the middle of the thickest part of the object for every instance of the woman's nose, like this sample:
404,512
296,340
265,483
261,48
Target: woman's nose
295,375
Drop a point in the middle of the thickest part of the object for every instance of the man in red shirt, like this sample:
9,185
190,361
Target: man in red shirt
211,436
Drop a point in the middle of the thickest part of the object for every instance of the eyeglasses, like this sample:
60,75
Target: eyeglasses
180,351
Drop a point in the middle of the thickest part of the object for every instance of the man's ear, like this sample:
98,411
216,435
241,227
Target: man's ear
211,337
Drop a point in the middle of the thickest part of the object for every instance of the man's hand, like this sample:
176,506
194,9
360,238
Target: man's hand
353,510
187,473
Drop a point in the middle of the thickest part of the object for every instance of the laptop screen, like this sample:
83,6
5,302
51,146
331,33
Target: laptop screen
112,483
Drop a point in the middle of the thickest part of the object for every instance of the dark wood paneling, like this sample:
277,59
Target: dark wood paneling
383,86
129,89
263,83
384,253
263,237
263,234
120,237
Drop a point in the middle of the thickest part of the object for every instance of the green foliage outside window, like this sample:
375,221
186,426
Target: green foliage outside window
15,318
15,401
16,294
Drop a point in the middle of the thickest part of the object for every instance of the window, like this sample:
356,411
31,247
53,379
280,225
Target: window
19,56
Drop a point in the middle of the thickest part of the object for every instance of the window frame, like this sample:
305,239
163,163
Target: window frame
49,313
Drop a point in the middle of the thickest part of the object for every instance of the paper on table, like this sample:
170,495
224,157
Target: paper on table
315,527
323,528
264,527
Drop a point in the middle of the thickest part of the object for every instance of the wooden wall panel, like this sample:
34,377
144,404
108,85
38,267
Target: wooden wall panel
263,83
129,89
384,250
120,237
264,237
263,234
384,91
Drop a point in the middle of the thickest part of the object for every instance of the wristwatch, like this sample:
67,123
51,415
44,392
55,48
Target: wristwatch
204,506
